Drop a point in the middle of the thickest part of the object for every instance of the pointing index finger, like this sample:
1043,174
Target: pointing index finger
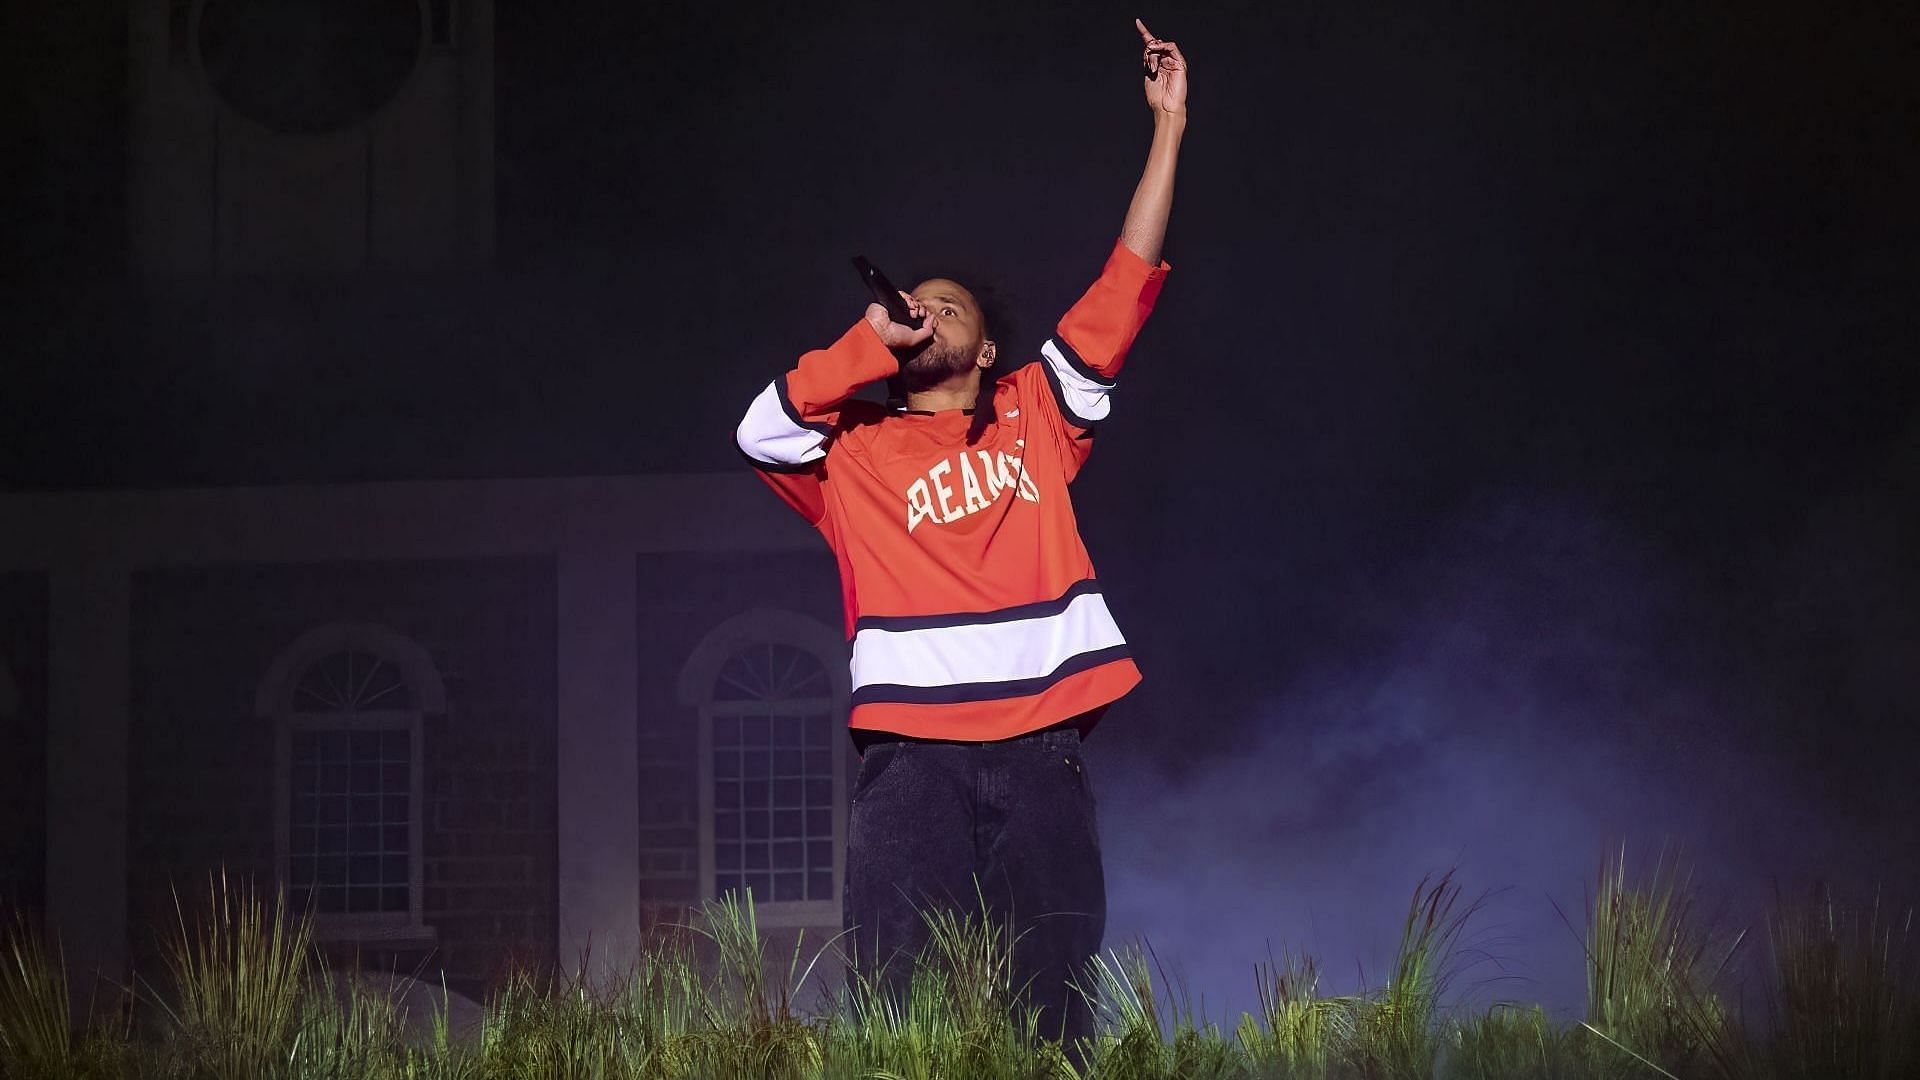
1145,34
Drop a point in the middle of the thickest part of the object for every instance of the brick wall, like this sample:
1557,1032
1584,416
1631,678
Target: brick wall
201,773
23,743
682,597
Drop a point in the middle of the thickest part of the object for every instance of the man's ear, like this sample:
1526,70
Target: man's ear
988,353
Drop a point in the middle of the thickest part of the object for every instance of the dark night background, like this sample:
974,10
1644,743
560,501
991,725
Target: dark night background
1525,452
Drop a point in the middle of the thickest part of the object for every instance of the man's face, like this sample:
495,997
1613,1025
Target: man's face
958,333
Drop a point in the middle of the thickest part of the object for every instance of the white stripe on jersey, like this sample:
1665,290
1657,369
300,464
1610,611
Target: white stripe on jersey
1085,398
768,434
983,652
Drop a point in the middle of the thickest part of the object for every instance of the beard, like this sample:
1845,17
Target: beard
934,364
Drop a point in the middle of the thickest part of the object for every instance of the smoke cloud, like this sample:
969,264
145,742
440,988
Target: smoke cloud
1547,699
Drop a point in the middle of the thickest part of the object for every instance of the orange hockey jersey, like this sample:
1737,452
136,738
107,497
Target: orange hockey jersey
971,603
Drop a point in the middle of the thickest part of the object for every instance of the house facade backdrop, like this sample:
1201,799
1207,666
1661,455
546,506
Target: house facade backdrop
468,724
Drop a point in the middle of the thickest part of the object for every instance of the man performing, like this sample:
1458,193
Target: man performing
983,651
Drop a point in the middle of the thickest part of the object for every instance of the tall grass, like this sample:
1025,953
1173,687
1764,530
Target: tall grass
1844,1001
1651,963
248,997
36,1033
1145,1032
1396,1034
236,983
1296,1029
1515,1043
364,1036
959,1015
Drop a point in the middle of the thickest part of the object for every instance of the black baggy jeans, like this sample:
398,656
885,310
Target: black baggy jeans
929,817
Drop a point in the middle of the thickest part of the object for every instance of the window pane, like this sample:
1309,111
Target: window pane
395,898
360,814
300,872
333,746
726,883
820,885
349,681
753,731
773,772
786,823
334,777
820,853
788,887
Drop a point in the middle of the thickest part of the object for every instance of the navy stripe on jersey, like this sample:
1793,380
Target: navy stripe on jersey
1072,357
1060,397
1037,610
773,467
896,694
772,438
786,405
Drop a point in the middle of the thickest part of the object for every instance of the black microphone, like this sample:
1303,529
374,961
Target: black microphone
884,292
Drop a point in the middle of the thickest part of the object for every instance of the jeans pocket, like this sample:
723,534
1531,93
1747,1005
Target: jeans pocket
872,764
1083,786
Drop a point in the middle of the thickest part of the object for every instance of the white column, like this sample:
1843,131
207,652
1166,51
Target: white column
599,817
88,702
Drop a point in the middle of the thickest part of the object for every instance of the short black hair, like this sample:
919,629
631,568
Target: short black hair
997,324
996,316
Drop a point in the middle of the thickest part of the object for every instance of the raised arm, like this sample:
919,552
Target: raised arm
788,427
1164,78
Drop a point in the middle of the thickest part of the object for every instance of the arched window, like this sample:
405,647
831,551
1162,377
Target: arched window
772,691
347,702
